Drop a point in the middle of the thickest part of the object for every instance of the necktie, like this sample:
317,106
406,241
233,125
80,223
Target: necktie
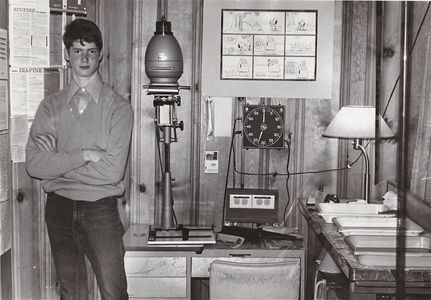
82,100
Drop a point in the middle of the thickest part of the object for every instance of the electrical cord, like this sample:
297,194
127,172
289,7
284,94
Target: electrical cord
234,132
285,213
275,173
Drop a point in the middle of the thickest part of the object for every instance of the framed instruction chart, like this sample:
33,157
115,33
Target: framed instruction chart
268,44
269,48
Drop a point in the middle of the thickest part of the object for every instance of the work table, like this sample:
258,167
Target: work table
150,269
360,276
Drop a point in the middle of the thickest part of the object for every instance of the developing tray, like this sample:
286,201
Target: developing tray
380,251
328,211
388,259
363,244
374,226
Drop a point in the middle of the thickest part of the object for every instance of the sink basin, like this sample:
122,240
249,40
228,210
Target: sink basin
381,250
374,226
330,210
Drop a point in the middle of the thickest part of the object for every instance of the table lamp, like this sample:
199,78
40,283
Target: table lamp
359,123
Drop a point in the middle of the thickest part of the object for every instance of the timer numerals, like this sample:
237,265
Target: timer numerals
263,126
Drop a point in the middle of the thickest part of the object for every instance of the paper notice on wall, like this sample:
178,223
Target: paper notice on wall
30,3
19,130
3,54
29,31
5,213
27,90
211,162
4,115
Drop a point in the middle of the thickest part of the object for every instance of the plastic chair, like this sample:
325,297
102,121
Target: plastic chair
236,280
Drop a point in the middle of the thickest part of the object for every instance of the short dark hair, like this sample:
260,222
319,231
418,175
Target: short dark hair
82,30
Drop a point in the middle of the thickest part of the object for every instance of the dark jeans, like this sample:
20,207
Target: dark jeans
78,228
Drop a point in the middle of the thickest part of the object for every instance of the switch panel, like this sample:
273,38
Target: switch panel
240,201
251,206
263,201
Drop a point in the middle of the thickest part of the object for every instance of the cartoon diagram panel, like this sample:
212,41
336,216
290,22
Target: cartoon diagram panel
269,44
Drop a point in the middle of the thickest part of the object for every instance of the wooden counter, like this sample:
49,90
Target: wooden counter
363,279
156,272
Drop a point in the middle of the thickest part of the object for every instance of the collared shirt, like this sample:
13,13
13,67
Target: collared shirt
93,88
105,125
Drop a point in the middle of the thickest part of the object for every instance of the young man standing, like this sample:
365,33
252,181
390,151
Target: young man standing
78,145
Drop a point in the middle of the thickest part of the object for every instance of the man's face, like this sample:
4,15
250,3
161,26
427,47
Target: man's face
84,59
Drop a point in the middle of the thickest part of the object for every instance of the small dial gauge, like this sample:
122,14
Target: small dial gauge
263,126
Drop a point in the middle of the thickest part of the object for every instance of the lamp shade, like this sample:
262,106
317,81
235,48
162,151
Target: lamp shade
357,122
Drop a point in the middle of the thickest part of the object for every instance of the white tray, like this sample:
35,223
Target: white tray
328,211
374,226
351,208
361,245
412,260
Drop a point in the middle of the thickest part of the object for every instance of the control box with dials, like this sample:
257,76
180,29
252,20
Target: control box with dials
251,206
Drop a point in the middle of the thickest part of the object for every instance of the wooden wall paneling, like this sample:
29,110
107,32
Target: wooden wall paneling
180,15
211,191
25,245
197,24
419,107
3,14
346,50
145,207
317,115
46,271
240,153
251,162
114,19
337,91
33,273
115,22
357,91
6,258
143,152
355,19
278,161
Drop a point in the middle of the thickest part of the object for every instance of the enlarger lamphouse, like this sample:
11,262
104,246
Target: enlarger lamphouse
164,66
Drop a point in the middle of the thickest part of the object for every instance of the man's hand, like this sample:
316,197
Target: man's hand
93,155
45,142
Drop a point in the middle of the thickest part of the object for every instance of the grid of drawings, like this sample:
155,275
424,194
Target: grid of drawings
268,44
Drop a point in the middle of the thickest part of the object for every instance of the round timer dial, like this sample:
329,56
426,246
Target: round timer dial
263,126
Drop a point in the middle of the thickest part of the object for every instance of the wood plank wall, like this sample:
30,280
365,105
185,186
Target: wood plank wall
390,70
5,259
199,196
419,111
